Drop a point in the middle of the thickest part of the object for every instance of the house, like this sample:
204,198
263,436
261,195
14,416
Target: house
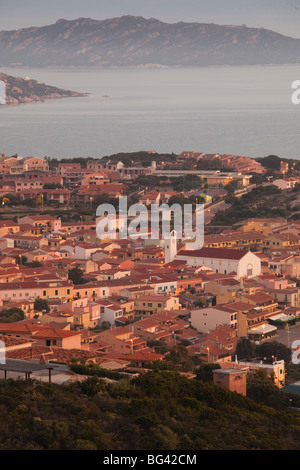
231,378
143,357
123,341
151,330
282,240
219,345
27,242
286,297
286,183
207,319
57,337
273,368
19,165
264,225
43,335
44,222
104,165
234,239
8,227
57,289
87,194
95,178
149,304
151,197
136,292
70,227
84,251
7,187
284,264
109,312
59,195
23,290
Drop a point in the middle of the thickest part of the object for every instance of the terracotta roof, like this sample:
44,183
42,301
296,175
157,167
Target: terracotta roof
218,253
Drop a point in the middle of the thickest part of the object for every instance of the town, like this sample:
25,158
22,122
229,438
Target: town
68,296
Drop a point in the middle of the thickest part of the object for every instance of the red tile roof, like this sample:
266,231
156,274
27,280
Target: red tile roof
218,253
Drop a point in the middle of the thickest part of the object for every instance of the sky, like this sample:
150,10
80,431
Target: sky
282,16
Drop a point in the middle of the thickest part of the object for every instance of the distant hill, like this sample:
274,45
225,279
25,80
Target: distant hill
131,41
20,90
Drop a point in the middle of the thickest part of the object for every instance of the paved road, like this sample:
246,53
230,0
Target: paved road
287,336
212,210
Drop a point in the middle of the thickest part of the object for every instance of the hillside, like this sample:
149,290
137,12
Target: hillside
20,90
131,41
156,411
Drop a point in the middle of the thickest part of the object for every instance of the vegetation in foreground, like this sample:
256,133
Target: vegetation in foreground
160,410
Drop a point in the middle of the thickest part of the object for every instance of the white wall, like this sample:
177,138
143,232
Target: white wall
227,266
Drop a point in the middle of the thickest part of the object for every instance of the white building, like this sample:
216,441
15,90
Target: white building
109,312
224,261
285,183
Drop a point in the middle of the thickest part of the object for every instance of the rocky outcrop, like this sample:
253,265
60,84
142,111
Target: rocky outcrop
24,90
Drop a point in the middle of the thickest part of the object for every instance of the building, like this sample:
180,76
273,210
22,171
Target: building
234,239
149,304
274,369
207,319
233,379
264,225
213,178
286,183
223,260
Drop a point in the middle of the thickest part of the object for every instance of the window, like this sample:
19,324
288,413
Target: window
249,270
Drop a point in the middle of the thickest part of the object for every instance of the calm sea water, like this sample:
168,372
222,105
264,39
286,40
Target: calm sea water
239,110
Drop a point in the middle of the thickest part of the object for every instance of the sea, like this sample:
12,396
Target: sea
236,110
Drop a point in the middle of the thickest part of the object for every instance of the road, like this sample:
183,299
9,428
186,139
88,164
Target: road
287,336
211,211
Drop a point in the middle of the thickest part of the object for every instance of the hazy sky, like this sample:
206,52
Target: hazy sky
282,16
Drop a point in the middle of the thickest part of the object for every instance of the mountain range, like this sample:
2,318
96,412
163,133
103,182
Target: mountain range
131,41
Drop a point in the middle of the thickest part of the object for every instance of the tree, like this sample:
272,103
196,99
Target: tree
204,372
52,186
41,304
160,438
76,275
11,315
177,199
245,349
274,350
180,358
262,389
